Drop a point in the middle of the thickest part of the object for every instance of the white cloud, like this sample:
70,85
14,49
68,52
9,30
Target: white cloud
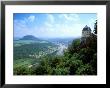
49,21
23,22
50,18
21,26
61,25
64,25
70,17
19,23
31,18
59,30
47,24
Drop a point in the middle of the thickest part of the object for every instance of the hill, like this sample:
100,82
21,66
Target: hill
30,37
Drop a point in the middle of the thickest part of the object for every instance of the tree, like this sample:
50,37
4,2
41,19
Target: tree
74,46
22,70
95,27
60,71
85,70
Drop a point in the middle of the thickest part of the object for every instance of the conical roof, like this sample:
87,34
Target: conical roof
86,28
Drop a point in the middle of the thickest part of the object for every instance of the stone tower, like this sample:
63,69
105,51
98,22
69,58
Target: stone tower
86,32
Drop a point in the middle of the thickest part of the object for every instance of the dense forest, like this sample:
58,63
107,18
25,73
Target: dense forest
80,58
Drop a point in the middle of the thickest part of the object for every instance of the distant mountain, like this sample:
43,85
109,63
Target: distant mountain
30,37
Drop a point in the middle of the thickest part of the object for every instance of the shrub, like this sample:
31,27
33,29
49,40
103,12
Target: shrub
85,70
56,61
61,71
94,63
86,54
74,47
74,65
22,70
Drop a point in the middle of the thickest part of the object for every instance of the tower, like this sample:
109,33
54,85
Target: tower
86,32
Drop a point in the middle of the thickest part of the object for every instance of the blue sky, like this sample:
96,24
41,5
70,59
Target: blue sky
52,25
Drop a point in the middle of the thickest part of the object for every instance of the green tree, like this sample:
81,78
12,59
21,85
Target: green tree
95,27
74,65
85,70
22,70
74,46
60,71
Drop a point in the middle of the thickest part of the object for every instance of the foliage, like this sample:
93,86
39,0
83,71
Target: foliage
22,70
73,47
60,71
95,27
85,70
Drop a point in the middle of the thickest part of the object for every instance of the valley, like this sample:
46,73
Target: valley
29,52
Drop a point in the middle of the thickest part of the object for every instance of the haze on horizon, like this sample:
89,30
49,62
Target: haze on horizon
51,25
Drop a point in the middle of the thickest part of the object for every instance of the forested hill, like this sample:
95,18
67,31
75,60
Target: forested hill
30,37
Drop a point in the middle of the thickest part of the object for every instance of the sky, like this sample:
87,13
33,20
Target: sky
52,25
